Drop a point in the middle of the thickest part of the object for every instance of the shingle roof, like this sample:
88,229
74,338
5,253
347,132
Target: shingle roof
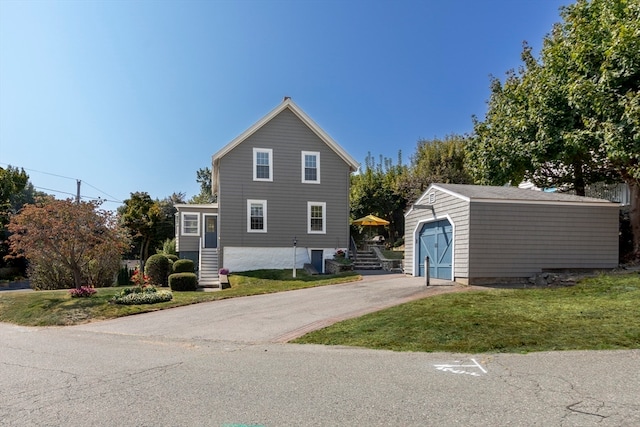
486,192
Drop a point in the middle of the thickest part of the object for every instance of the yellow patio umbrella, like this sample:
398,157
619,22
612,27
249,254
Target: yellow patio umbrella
371,220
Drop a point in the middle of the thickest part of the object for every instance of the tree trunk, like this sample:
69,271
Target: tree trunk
77,277
634,215
578,180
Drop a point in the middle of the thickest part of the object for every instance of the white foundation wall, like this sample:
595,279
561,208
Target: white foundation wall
245,259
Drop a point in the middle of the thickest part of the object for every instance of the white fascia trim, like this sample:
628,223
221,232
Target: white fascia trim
264,215
603,204
324,217
310,153
195,205
429,190
287,103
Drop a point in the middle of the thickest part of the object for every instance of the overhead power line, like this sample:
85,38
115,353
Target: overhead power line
111,198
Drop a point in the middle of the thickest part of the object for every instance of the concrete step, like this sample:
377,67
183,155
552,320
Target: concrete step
310,269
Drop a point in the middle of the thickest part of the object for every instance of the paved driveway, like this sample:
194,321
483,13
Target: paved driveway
276,317
221,364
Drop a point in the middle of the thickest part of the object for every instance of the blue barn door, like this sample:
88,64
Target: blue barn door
435,241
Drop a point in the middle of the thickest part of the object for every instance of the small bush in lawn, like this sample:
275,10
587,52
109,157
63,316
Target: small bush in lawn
142,295
184,266
124,275
183,282
82,292
158,268
135,278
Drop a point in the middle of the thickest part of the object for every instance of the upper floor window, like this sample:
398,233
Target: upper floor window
316,217
256,216
311,167
262,164
190,224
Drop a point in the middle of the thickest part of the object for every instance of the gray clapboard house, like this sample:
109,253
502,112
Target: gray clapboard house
477,234
283,180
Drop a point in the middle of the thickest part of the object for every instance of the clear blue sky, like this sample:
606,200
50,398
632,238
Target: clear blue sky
137,95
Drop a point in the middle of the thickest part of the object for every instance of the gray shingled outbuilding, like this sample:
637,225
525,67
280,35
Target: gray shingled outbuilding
477,234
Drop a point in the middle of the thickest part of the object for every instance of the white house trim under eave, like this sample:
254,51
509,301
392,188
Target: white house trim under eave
286,103
429,190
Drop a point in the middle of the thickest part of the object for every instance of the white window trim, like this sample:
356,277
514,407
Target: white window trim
311,153
264,215
255,164
182,228
324,217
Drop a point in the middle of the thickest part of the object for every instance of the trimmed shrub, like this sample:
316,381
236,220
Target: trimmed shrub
123,276
184,266
183,282
158,268
141,295
172,257
83,292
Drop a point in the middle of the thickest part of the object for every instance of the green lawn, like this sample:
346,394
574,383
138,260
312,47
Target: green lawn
57,308
598,313
389,254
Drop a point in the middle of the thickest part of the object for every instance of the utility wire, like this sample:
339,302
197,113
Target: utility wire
74,179
74,195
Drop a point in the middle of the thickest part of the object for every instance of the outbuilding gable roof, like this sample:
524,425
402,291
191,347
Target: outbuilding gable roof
502,194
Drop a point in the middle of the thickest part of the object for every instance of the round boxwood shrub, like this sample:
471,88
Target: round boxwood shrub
183,282
172,257
184,266
158,268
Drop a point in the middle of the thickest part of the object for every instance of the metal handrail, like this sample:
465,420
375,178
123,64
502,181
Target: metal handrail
353,249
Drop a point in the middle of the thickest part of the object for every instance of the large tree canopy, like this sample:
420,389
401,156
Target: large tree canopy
572,117
375,191
435,160
203,177
61,237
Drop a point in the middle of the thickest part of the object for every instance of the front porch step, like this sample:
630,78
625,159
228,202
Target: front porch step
208,270
367,260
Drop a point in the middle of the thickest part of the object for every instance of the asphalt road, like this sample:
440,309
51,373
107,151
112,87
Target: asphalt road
225,364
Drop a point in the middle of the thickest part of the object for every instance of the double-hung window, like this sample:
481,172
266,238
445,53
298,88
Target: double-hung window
262,164
256,216
316,217
190,224
311,167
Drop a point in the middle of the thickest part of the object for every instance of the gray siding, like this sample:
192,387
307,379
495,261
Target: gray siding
191,243
518,239
458,213
286,195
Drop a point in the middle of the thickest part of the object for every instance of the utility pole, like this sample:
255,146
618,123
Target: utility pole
78,191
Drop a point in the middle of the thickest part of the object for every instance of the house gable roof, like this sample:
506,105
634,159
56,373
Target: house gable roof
287,103
499,194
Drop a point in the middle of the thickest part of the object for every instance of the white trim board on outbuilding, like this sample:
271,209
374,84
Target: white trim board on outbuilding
474,234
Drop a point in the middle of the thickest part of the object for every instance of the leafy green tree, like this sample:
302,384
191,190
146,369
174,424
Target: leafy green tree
140,214
572,117
203,177
12,184
375,191
15,192
150,222
436,160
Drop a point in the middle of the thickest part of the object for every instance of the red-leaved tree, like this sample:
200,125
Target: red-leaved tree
68,239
